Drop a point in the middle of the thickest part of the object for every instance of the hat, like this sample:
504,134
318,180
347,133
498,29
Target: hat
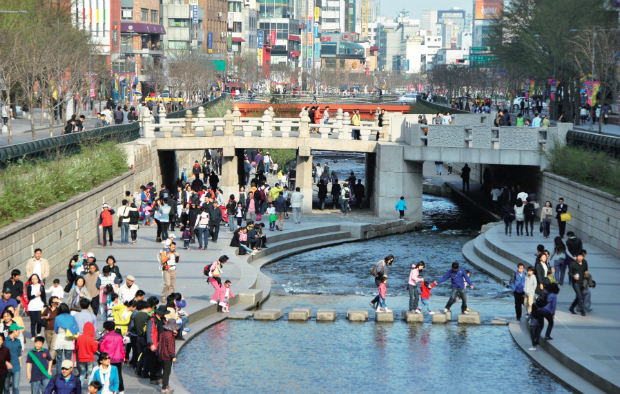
7,290
90,255
172,236
172,325
162,310
131,278
185,168
106,206
66,364
15,327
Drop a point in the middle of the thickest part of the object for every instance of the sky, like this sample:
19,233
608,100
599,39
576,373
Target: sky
415,7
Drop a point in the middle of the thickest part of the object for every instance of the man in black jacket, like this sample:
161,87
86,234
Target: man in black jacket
465,176
560,209
360,191
16,286
215,218
573,244
181,195
576,272
70,127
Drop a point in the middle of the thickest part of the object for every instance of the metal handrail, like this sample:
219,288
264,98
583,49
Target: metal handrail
69,142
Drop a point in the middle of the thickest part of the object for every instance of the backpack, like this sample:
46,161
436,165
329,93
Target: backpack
205,271
541,301
262,194
347,194
196,169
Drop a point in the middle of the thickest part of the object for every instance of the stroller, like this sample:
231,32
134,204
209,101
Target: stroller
224,214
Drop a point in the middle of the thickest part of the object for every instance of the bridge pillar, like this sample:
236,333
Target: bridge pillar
395,177
304,177
229,180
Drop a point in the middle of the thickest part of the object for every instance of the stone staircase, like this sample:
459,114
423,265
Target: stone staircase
560,357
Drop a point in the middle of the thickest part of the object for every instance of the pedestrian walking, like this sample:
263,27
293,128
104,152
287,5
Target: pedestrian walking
517,284
546,306
559,260
459,279
123,218
529,290
214,271
508,215
106,374
560,210
166,352
106,221
86,346
465,176
576,271
545,218
412,286
112,345
169,261
64,382
67,330
38,366
380,270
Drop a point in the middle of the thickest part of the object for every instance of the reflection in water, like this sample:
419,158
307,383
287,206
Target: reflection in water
343,357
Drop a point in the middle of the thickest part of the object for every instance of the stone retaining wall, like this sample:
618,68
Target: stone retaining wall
596,214
69,227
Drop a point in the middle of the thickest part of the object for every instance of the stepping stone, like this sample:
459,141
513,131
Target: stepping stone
268,314
412,317
326,314
472,318
500,321
240,315
441,317
357,314
384,317
300,314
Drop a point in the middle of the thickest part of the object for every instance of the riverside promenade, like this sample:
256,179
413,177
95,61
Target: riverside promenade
250,287
585,351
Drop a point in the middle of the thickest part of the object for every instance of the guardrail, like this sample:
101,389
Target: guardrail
69,143
441,108
181,114
594,142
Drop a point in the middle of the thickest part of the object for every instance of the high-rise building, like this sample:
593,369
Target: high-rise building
485,11
429,20
243,25
333,16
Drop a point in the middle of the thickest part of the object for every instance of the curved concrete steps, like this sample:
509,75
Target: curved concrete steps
521,335
486,264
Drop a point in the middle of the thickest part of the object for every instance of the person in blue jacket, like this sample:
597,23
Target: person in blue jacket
401,207
548,311
517,284
64,382
458,277
106,374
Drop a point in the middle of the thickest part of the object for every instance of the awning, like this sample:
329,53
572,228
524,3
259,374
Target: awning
237,39
294,38
374,48
142,28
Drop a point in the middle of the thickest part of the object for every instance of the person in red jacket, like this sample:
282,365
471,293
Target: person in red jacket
86,347
107,221
166,352
426,294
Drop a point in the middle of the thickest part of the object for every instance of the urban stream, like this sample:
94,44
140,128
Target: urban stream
252,356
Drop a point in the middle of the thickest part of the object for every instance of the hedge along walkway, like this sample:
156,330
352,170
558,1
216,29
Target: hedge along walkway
28,188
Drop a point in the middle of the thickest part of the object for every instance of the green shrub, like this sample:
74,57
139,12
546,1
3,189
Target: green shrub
282,156
28,187
219,109
594,169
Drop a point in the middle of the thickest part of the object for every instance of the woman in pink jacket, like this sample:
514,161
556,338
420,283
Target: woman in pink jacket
214,278
412,284
112,344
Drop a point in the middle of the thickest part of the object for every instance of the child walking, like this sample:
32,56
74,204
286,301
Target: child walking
186,237
239,213
227,296
529,289
426,294
382,294
271,211
401,207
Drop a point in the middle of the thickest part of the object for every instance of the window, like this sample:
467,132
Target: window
234,7
330,63
237,27
154,17
341,63
144,15
178,45
127,13
178,22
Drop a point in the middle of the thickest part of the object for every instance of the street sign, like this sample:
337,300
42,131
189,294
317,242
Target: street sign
480,49
195,14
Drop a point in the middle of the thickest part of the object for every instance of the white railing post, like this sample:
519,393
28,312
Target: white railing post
304,125
266,127
385,132
164,125
345,134
236,117
147,125
228,128
188,131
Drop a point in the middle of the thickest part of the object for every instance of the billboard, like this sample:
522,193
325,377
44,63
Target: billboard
489,9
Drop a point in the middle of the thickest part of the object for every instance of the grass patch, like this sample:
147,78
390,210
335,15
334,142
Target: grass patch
421,108
28,187
589,168
218,110
282,156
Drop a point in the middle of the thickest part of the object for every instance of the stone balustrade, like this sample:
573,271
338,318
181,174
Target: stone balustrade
232,124
480,137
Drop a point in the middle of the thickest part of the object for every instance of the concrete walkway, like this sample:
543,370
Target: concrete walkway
586,346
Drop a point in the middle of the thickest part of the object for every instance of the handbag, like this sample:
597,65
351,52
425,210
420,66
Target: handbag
566,217
541,227
536,205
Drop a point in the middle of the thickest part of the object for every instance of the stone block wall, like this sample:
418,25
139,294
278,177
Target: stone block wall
596,214
187,158
69,227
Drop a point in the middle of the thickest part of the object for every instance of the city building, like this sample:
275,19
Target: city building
334,14
429,20
243,25
419,52
485,11
281,33
99,19
215,27
390,35
339,51
446,57
185,31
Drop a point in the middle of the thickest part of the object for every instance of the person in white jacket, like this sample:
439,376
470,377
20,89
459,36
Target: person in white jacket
127,291
297,199
529,289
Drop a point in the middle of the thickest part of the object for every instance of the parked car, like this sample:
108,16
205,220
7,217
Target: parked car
516,103
408,98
